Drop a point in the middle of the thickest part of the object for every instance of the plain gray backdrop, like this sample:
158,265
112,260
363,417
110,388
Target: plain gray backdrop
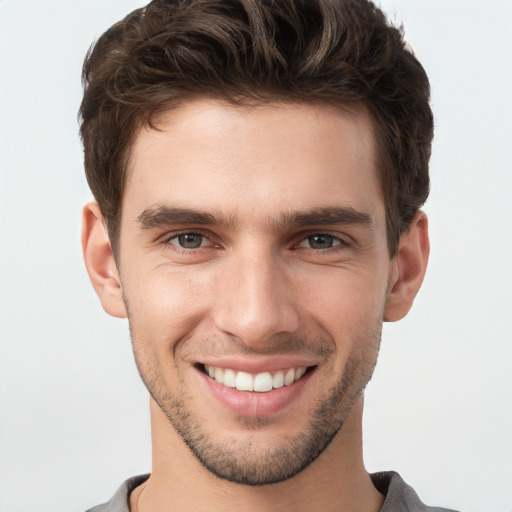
74,416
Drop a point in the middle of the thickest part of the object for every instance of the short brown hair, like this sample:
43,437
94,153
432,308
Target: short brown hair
333,51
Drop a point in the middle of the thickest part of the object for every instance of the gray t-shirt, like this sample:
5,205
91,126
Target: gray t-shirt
400,497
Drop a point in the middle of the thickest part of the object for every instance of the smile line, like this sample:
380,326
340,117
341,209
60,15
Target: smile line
261,382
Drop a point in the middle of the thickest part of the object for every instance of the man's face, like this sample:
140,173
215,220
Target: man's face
253,254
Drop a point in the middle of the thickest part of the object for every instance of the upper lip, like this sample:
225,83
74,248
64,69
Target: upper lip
259,364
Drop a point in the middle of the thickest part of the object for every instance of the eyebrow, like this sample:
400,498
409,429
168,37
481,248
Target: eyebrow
162,215
323,216
158,216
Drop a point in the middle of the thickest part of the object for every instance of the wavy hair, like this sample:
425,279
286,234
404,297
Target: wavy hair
341,52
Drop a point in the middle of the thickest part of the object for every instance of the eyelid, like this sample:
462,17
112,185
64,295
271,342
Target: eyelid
173,235
344,240
176,238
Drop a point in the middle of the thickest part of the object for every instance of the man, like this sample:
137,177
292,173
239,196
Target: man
258,169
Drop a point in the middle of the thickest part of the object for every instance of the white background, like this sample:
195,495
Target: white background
74,420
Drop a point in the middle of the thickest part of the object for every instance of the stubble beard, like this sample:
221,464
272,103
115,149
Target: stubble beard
243,463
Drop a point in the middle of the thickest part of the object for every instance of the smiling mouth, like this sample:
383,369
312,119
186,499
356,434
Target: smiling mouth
260,383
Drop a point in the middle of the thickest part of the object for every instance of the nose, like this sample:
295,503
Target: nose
256,299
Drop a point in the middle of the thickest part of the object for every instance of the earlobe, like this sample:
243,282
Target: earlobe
408,269
100,263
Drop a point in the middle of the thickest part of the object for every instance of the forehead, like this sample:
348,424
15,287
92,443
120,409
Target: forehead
254,161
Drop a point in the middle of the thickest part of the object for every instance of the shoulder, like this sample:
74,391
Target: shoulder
400,497
121,499
99,508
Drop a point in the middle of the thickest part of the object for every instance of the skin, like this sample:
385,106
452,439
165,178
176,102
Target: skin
292,268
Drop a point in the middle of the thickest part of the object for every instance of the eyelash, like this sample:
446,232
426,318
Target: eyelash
167,239
340,244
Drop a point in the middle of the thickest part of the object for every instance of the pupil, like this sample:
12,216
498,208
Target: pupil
320,241
190,241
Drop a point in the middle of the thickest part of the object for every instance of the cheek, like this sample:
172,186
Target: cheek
346,299
349,310
166,304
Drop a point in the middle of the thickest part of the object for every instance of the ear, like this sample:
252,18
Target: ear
408,269
99,261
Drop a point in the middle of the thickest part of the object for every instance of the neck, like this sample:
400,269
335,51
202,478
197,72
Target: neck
336,481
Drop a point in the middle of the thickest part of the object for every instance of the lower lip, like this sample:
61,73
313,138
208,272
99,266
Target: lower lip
251,403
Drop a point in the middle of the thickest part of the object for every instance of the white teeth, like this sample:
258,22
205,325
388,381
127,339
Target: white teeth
289,377
299,372
219,375
262,382
278,380
244,382
229,378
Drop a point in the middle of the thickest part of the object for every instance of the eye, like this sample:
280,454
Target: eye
321,241
188,240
